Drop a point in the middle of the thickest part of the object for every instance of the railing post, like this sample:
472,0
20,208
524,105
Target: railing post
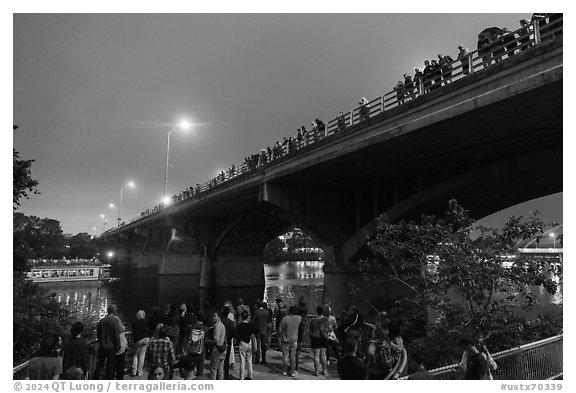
383,106
537,38
420,86
520,370
470,64
352,117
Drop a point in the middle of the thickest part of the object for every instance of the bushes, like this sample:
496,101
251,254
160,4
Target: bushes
35,316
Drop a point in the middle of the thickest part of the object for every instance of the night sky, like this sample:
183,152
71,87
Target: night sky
95,94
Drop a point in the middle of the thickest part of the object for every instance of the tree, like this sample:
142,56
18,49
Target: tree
22,179
440,261
35,237
82,246
299,240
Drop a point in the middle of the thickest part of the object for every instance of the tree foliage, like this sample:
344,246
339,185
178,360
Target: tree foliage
24,184
35,237
82,246
35,315
299,240
467,280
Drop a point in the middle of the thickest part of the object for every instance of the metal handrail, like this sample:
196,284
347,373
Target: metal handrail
478,60
513,363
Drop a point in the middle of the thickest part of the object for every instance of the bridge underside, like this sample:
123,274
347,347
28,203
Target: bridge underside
484,142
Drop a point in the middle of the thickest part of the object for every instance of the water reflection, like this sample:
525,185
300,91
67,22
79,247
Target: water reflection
132,292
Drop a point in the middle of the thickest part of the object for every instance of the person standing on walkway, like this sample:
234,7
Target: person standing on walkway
230,332
161,352
75,349
141,340
108,334
289,328
195,344
351,366
261,324
245,332
319,342
218,350
279,313
46,364
302,310
332,328
476,363
121,353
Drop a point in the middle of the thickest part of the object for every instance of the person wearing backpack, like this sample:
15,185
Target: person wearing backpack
379,358
195,345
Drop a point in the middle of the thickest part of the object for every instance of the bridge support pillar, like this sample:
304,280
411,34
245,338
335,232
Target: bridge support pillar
179,264
141,259
230,272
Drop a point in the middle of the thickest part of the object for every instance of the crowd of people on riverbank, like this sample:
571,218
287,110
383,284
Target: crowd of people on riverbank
208,343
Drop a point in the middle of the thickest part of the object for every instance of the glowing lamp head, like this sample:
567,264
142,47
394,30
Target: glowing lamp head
111,205
166,201
551,235
131,184
102,216
185,125
110,254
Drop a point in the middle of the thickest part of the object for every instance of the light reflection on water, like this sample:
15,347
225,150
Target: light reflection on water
288,280
88,300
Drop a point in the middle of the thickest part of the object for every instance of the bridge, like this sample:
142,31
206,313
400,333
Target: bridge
489,135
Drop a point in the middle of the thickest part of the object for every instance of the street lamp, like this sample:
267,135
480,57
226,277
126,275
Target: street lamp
103,217
94,229
109,254
184,125
554,238
129,184
106,214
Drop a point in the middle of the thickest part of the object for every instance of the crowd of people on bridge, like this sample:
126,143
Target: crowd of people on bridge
208,343
493,45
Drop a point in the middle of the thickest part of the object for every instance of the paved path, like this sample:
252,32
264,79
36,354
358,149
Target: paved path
272,369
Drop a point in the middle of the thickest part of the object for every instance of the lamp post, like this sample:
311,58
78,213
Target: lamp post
129,184
109,254
185,125
94,229
103,217
553,238
111,205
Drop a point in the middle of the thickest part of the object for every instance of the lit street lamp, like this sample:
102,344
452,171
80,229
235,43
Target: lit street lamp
129,184
106,214
554,238
103,217
109,254
184,125
94,229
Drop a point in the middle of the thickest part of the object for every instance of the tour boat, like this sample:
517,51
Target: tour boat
69,273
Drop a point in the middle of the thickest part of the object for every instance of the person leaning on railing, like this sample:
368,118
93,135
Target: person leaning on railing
364,110
46,364
463,53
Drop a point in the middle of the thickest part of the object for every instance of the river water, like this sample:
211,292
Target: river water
89,299
130,293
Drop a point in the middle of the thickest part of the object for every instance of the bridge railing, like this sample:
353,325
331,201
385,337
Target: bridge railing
539,360
502,48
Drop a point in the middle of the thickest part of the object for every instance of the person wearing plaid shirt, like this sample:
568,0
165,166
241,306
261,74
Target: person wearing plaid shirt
161,351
